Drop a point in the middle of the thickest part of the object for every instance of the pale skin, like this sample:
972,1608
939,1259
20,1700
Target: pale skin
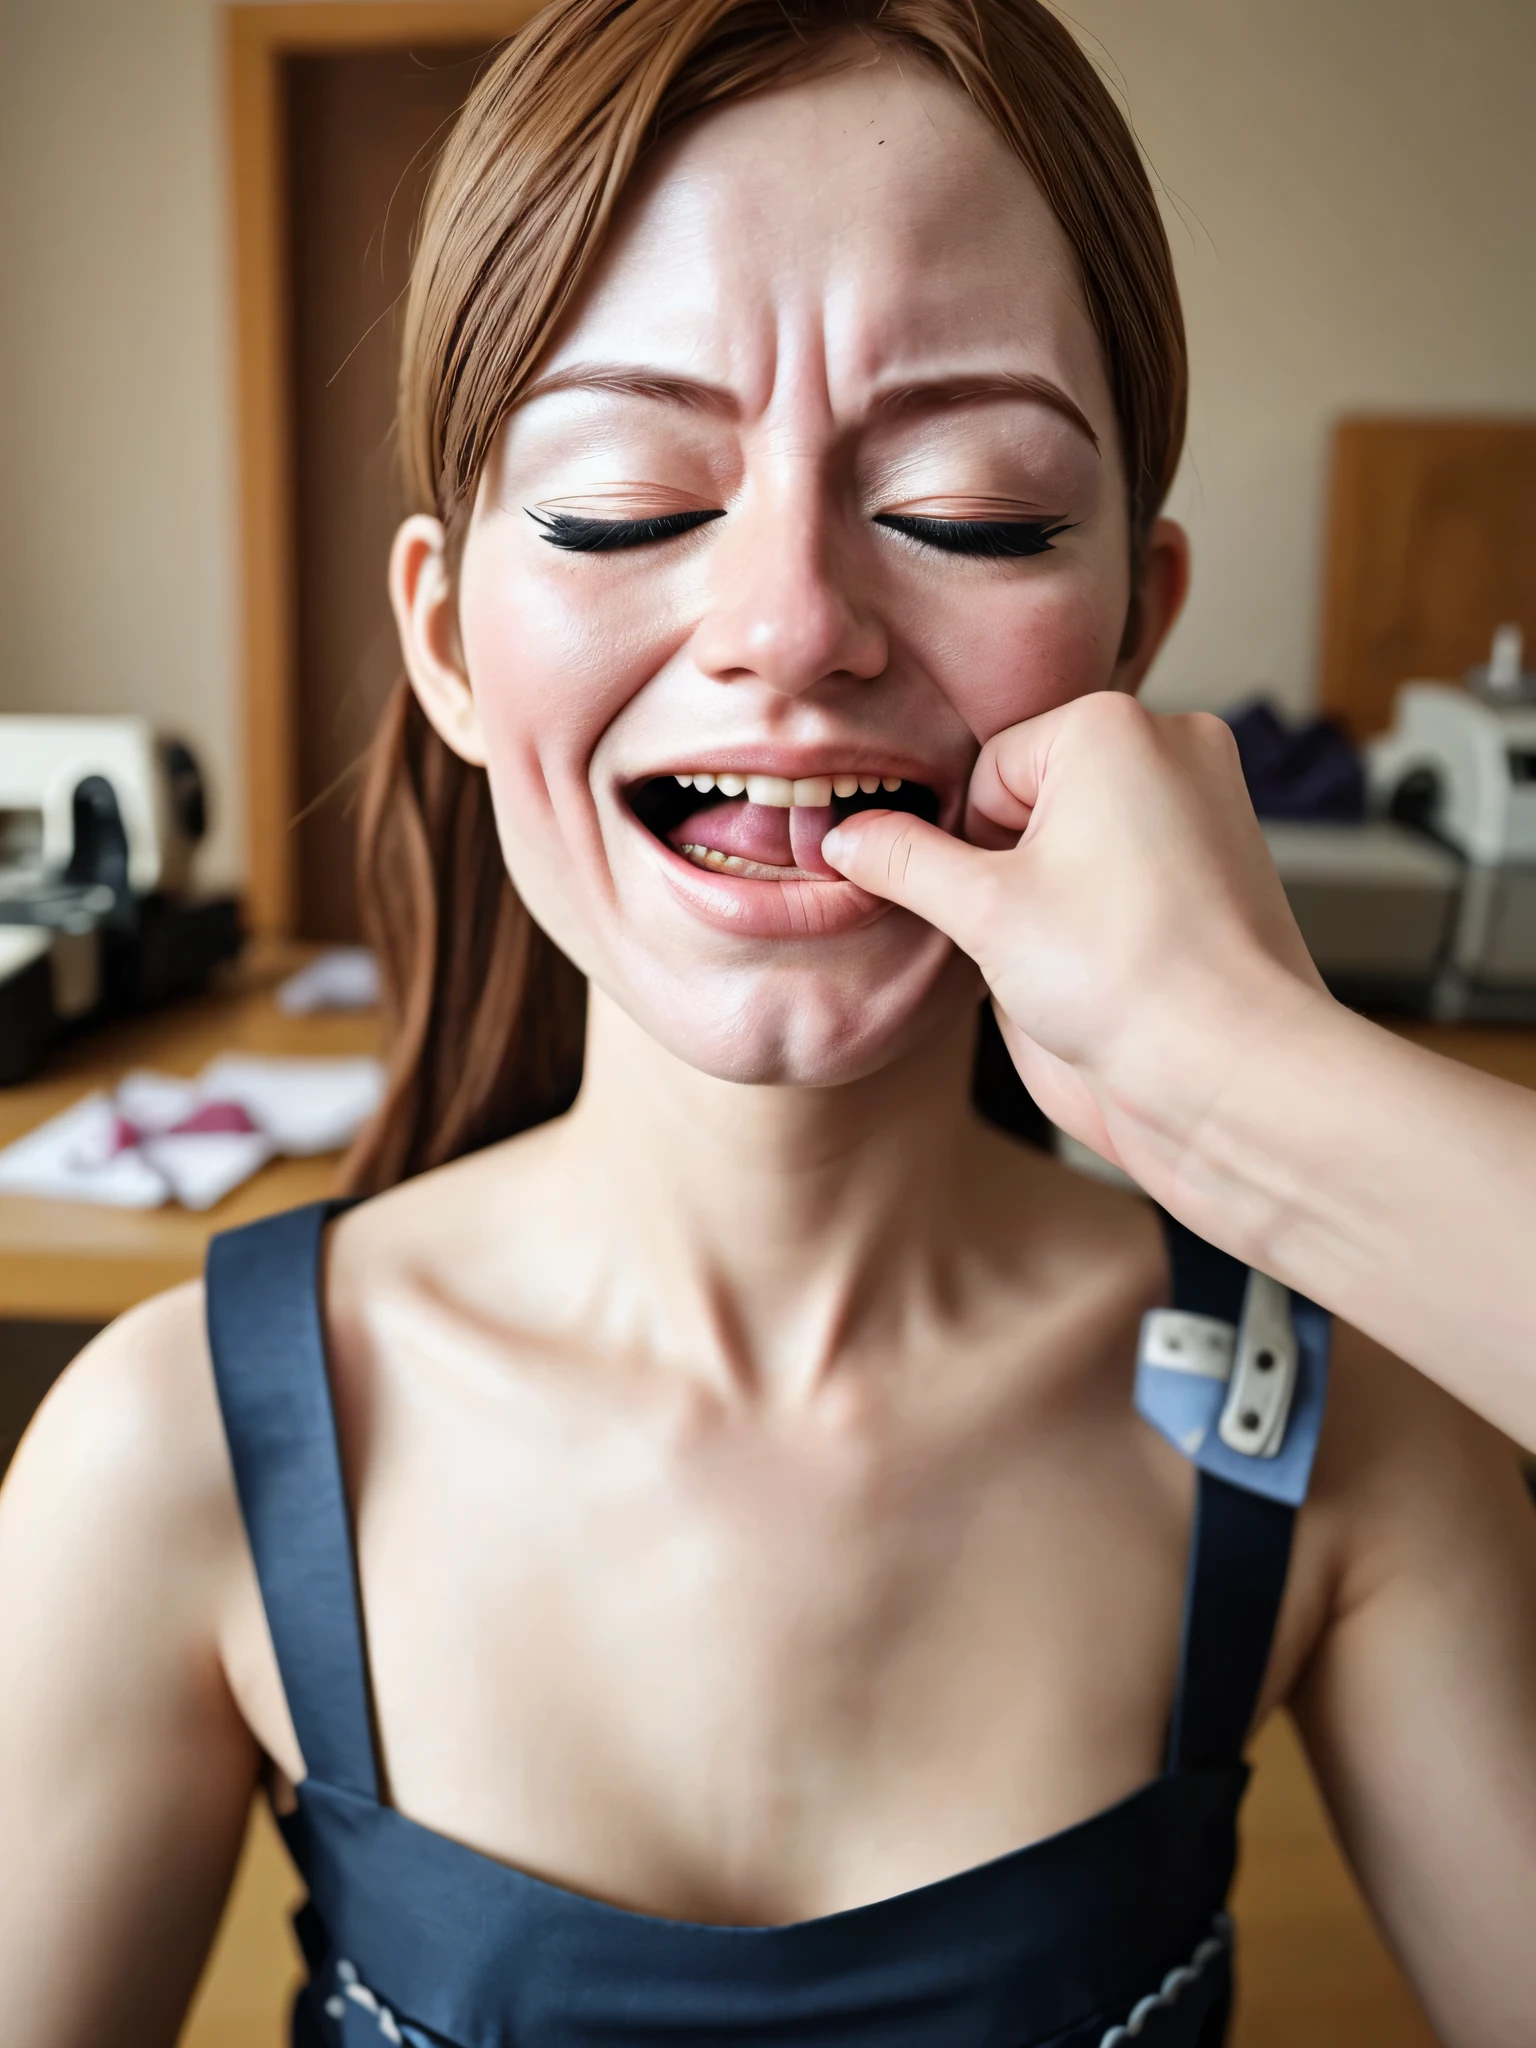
751,1514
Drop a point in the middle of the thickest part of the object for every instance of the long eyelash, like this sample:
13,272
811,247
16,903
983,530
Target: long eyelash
1001,539
586,536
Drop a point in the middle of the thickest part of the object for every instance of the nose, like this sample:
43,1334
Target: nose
783,610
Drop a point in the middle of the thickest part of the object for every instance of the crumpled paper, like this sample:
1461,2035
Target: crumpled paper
158,1138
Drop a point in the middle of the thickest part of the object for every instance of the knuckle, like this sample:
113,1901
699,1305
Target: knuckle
1112,707
1211,734
1118,719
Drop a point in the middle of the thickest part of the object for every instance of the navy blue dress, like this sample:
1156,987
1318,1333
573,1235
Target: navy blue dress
1111,1932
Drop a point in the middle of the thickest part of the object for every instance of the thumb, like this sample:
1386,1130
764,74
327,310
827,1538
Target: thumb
910,862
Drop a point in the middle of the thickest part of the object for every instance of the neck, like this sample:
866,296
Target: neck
778,1224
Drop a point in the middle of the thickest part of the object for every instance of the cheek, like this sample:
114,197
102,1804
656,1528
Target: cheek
1037,647
551,668
549,674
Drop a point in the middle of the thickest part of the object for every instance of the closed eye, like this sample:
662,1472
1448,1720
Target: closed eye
587,536
1001,539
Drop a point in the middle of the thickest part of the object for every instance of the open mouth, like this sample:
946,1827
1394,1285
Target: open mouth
766,828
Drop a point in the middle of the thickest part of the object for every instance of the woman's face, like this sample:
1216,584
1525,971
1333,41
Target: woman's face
818,489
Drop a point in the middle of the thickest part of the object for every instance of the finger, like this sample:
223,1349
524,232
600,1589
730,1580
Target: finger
1005,782
1012,768
913,863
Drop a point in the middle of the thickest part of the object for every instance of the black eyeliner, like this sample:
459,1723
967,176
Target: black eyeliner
994,539
581,534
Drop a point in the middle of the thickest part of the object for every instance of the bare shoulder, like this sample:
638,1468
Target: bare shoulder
1407,1480
125,1766
1417,1529
129,1440
1417,1701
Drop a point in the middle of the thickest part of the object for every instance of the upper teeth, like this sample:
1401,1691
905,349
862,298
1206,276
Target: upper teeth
811,792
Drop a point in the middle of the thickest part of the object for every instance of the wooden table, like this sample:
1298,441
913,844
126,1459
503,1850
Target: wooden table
84,1262
1506,1050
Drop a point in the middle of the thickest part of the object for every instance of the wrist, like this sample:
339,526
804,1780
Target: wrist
1201,1097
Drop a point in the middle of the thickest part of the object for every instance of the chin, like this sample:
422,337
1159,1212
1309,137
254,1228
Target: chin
821,1024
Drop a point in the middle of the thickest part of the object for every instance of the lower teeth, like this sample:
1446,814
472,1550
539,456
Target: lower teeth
732,864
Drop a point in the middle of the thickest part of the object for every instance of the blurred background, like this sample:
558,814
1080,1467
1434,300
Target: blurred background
1347,189
205,222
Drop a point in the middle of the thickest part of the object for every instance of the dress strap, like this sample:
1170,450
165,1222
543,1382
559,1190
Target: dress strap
266,1334
1235,1376
1240,1553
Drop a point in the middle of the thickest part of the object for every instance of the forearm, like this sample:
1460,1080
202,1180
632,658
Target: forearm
1393,1186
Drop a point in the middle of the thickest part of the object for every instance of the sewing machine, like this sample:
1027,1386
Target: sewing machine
99,820
1375,903
1459,765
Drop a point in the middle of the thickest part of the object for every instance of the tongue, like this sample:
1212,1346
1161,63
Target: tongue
751,831
807,828
760,832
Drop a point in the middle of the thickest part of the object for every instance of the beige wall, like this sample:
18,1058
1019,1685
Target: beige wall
1349,187
117,554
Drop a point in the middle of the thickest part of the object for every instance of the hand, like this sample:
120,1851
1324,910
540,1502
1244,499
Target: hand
1134,933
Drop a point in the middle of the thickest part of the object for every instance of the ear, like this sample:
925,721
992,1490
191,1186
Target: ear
421,592
1155,603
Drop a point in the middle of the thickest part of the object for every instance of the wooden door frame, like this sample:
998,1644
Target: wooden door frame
257,40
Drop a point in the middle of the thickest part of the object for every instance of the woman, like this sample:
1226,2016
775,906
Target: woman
755,1536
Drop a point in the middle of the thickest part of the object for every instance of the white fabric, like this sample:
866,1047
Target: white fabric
124,1149
344,978
306,1106
71,1157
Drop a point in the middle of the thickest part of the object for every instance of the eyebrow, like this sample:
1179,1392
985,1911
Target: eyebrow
936,394
940,393
632,381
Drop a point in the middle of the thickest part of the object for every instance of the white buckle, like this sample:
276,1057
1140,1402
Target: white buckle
1180,1342
1263,1378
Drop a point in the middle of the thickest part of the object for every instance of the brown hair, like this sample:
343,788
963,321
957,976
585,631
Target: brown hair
486,1013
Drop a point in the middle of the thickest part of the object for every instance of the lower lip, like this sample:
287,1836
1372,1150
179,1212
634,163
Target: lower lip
798,909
